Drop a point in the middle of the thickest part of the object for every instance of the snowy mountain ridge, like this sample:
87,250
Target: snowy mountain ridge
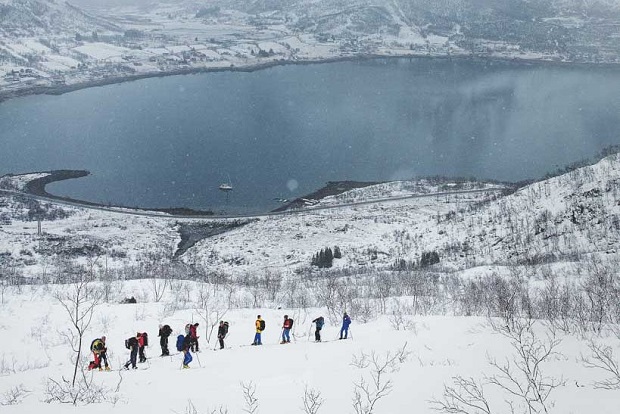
20,18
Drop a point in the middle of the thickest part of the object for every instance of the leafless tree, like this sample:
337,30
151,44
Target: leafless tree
79,300
210,309
522,376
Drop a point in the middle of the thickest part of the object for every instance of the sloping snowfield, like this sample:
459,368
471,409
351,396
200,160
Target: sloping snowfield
435,350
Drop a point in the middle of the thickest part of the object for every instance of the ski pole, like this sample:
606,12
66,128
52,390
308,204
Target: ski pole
310,331
198,358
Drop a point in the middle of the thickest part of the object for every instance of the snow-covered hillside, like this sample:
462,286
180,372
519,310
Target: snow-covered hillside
558,219
463,296
50,45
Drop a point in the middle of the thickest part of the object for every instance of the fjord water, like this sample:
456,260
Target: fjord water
284,131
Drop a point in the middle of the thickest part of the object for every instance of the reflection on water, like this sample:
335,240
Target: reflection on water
172,141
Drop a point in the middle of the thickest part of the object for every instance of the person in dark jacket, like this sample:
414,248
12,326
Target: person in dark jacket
134,346
318,323
164,332
346,321
222,331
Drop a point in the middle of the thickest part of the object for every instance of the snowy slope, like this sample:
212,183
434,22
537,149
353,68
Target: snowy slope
46,17
437,349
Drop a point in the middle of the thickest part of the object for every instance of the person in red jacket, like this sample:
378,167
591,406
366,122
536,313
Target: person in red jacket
193,335
286,330
142,342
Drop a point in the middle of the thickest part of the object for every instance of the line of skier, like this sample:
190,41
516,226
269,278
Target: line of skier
188,342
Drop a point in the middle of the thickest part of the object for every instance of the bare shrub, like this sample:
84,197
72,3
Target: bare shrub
521,379
466,396
81,392
603,358
368,393
191,409
15,395
250,398
312,401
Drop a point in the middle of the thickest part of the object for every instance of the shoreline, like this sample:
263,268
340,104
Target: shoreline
37,188
253,67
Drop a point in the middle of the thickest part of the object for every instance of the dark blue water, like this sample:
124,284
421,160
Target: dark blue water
285,131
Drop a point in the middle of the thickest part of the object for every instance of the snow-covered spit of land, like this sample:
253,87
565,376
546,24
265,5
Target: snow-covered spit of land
493,298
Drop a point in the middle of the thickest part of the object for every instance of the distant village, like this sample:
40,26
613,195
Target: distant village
167,43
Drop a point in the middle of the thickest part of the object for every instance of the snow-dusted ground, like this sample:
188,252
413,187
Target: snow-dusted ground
439,348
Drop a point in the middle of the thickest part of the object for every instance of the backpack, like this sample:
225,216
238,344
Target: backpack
180,341
96,345
166,330
131,342
225,328
145,337
262,325
291,322
320,322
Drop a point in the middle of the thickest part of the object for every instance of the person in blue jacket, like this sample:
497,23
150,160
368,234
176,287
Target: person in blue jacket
187,356
346,321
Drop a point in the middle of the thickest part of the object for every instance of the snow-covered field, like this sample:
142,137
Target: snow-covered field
436,349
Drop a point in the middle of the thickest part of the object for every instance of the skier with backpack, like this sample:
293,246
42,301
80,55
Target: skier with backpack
164,332
286,330
133,345
346,321
260,327
318,323
222,331
183,345
99,350
143,341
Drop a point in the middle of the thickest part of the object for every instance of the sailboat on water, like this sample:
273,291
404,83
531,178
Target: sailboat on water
227,186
